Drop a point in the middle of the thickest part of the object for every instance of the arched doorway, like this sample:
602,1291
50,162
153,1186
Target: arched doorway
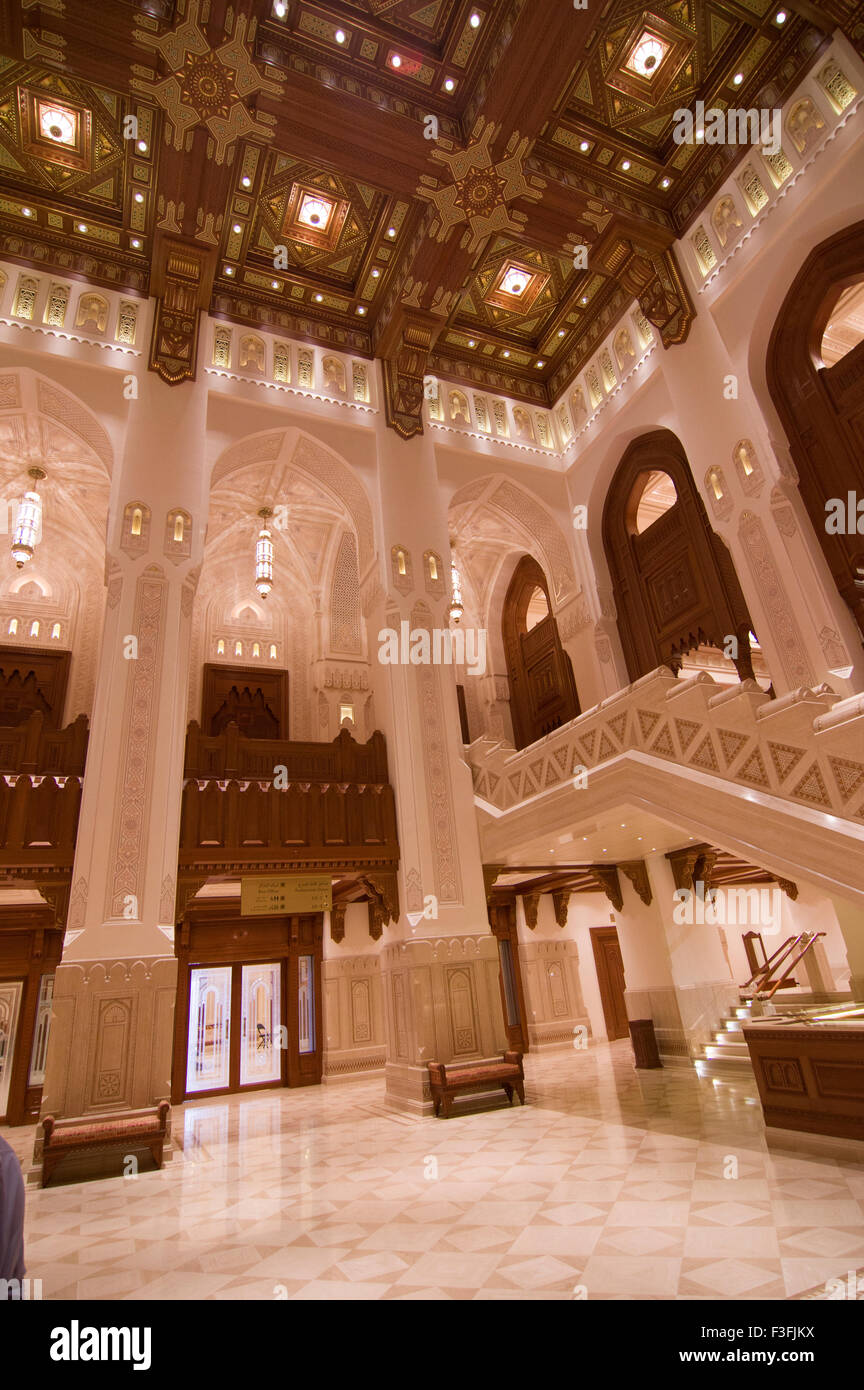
815,375
542,689
674,582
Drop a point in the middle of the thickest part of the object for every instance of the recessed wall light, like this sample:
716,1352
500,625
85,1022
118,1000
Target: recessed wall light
449,85
584,146
339,36
738,79
395,60
139,197
625,164
474,21
142,146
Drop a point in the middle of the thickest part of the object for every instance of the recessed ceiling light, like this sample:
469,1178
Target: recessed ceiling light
506,354
319,299
395,60
738,79
625,164
339,36
780,17
541,364
584,145
391,231
605,851
560,332
376,273
237,229
449,85
360,309
623,825
664,183
584,299
472,342
139,197
82,226
280,8
638,837
274,284
142,146
28,212
475,20
135,243
700,135
229,270
246,181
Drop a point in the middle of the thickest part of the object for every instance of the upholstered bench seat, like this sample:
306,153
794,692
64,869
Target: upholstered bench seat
447,1081
142,1130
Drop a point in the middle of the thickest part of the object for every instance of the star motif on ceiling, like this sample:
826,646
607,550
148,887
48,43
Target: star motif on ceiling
206,86
481,188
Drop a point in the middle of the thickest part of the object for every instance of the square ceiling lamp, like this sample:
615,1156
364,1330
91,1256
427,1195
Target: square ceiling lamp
57,131
516,287
647,55
315,217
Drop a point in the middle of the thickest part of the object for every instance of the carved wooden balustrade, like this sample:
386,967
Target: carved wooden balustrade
270,805
41,778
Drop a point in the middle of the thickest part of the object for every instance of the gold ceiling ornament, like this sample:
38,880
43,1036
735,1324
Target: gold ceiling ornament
481,188
206,86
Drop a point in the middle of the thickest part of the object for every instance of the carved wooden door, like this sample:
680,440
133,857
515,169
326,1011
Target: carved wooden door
610,977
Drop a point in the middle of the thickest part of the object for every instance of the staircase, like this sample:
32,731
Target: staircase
727,1056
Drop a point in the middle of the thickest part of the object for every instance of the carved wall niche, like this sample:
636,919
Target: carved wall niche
306,369
360,381
624,349
252,356
837,87
334,376
718,492
803,124
282,363
222,347
178,535
460,411
25,298
564,424
481,413
544,433
726,219
56,305
748,467
92,312
127,322
135,539
433,573
522,424
402,569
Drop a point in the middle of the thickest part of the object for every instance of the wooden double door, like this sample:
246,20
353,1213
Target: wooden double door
248,1002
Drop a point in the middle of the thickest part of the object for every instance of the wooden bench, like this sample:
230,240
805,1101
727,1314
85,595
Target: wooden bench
445,1082
83,1138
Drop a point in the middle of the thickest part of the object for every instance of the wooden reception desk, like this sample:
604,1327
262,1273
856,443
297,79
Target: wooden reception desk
810,1075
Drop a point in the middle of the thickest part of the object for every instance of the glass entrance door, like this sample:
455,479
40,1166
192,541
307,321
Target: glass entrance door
260,1019
236,1038
10,1003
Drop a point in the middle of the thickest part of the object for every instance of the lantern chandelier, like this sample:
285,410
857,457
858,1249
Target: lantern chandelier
264,556
28,522
456,608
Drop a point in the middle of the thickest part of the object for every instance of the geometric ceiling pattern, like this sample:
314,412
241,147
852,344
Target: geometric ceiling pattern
408,180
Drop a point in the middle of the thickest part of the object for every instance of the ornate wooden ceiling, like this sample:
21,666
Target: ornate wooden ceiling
402,179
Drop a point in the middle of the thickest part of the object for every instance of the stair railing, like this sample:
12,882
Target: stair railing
813,937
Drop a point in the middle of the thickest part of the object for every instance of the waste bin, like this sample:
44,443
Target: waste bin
644,1041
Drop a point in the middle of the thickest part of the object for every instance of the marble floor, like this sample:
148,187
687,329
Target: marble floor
610,1183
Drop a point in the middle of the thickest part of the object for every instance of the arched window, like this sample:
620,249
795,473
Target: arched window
537,610
13,627
272,651
137,518
658,495
845,327
220,647
55,631
34,628
256,648
178,527
238,648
